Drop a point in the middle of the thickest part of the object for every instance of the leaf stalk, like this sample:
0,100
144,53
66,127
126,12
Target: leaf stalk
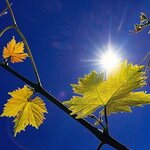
106,119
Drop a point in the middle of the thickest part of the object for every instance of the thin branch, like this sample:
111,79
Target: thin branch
30,54
100,146
24,40
5,10
94,117
11,12
6,29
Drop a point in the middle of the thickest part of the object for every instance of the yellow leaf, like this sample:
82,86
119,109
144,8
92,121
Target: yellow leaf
14,51
115,92
25,110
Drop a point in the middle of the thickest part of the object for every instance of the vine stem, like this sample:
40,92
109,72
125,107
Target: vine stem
24,40
94,117
6,29
106,119
100,146
30,54
4,11
11,12
102,136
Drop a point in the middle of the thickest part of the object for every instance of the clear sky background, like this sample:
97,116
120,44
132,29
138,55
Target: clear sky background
63,35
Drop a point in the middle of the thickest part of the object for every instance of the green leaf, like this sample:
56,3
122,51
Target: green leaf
96,92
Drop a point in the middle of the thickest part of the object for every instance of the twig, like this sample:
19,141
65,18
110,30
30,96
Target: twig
100,146
25,42
94,117
106,119
6,29
11,12
30,54
5,10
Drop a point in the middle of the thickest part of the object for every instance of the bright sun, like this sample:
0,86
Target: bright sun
109,59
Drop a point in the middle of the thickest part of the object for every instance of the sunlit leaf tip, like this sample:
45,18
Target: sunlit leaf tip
14,51
25,109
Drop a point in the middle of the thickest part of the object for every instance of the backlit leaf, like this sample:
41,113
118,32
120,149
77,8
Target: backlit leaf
14,51
26,111
111,92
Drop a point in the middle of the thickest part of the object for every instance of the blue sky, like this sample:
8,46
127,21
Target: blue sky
63,34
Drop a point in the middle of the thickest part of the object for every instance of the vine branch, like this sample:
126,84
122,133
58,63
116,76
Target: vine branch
24,40
11,12
6,29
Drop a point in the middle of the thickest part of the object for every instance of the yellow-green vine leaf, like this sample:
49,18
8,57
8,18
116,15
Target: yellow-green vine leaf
120,82
26,111
83,106
80,104
124,104
118,85
14,51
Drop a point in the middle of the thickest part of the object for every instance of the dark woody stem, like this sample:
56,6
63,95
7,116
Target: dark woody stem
106,119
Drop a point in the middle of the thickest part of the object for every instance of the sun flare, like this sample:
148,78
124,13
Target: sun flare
109,59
